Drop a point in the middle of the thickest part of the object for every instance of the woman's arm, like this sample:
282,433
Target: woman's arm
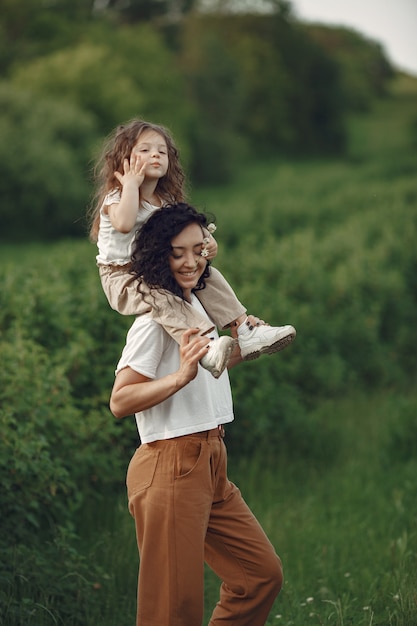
132,392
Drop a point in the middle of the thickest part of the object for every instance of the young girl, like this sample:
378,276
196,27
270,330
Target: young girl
139,172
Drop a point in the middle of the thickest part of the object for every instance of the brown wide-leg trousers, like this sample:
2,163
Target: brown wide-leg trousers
186,512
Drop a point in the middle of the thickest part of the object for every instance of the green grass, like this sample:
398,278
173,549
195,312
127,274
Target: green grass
347,535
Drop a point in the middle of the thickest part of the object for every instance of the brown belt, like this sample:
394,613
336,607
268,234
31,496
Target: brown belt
214,432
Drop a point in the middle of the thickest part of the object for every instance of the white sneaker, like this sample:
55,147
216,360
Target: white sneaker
218,355
265,340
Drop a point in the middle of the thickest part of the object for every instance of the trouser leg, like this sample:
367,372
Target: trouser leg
240,553
219,300
174,314
186,510
170,491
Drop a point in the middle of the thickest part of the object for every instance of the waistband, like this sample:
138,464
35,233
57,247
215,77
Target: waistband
111,267
206,434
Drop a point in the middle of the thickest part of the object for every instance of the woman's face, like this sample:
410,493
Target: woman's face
185,261
151,148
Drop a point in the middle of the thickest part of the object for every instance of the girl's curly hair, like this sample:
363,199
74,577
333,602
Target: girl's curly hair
152,247
117,147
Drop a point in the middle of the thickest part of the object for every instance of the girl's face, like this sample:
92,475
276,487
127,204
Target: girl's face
185,261
151,148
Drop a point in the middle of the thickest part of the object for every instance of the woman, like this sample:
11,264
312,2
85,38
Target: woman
185,508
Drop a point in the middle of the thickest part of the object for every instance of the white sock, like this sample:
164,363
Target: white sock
243,329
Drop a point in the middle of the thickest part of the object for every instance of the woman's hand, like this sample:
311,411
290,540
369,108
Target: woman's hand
192,348
133,392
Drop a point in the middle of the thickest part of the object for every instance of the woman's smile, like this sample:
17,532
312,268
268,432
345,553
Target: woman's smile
186,262
192,273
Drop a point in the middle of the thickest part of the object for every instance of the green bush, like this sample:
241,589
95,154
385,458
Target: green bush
365,71
45,146
215,88
59,445
401,442
59,441
139,71
264,78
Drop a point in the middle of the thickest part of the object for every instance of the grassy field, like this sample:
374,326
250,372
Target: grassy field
347,536
340,506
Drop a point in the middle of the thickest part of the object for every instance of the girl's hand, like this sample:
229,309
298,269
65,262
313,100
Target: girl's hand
123,214
210,247
133,171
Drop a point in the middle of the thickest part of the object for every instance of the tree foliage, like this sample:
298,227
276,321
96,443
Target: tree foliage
29,28
114,76
45,145
227,79
364,68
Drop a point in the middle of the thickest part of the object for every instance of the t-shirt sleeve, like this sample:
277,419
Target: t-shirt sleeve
113,197
144,347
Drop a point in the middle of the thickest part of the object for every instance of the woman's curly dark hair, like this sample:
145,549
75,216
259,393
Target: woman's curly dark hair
152,247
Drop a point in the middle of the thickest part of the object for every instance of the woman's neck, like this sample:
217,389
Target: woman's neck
187,294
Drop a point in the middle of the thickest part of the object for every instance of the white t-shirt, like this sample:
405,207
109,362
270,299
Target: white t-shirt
114,247
203,404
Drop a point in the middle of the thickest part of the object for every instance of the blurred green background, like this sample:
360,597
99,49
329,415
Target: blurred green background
301,140
230,86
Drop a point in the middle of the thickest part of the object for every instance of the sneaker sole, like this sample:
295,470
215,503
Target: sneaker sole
274,347
217,372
